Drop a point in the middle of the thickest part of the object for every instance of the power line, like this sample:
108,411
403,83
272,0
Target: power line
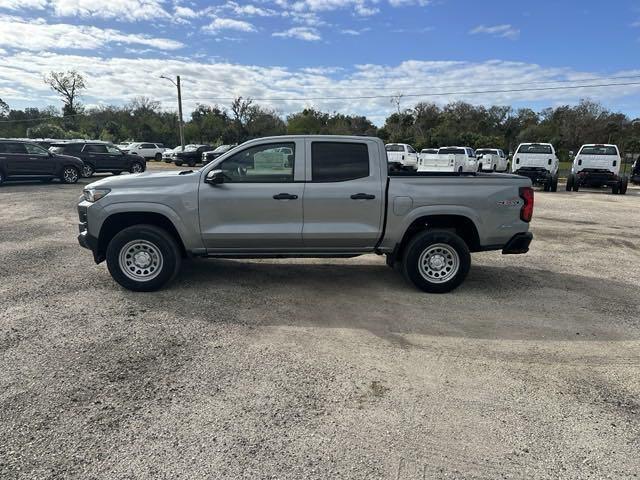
439,94
414,87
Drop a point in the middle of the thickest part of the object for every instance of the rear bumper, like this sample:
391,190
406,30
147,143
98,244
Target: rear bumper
537,175
518,244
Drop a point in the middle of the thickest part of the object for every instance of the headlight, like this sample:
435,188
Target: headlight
94,194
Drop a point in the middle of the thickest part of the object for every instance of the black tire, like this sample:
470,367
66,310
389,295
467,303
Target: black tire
159,244
615,188
158,157
192,164
70,175
88,170
459,169
624,184
547,186
136,167
178,164
576,184
570,181
442,245
554,184
495,168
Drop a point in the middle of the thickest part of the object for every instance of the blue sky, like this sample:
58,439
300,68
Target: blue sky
294,53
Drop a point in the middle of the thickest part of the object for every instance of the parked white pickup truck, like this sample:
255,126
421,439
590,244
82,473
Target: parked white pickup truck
402,155
304,196
492,160
597,166
538,162
453,159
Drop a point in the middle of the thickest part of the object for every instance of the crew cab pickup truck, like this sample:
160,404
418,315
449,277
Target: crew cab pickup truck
539,163
402,156
596,166
249,203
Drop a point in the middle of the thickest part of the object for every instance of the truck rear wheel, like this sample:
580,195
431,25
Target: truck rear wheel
554,184
436,261
143,258
570,180
624,183
615,188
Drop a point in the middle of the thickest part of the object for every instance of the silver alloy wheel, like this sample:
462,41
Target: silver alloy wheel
140,260
70,175
87,171
136,168
439,263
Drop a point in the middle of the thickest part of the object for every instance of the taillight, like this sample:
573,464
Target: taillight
615,162
550,161
517,160
526,212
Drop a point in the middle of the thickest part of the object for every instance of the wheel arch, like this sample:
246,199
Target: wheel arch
460,224
118,221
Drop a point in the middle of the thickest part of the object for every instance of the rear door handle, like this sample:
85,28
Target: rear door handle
362,196
285,196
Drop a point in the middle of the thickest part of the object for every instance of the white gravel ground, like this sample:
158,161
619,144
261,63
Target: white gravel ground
322,369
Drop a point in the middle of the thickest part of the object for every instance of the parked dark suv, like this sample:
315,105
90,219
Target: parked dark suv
635,172
191,155
20,160
213,154
101,157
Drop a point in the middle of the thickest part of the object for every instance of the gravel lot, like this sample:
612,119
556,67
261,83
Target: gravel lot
322,369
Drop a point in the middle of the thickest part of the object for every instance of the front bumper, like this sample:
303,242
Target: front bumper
84,238
518,244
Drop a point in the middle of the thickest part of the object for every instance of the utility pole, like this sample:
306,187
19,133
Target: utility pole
180,121
180,112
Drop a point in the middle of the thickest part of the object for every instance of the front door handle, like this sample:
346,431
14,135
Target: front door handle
285,196
362,196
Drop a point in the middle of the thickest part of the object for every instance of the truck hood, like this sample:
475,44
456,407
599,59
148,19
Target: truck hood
146,179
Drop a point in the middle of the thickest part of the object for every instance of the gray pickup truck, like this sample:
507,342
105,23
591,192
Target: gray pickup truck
304,196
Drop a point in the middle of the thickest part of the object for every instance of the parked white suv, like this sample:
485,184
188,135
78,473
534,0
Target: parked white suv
492,160
146,150
403,155
597,166
539,163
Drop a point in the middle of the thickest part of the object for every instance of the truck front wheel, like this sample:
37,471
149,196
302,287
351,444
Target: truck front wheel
143,258
436,261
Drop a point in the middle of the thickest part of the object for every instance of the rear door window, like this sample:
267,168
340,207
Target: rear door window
11,147
95,148
339,161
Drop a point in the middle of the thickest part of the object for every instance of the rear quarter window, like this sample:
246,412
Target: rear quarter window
339,161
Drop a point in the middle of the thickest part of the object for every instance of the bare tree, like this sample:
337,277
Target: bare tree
69,85
4,108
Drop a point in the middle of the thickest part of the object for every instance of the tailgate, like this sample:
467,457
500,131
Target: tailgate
597,161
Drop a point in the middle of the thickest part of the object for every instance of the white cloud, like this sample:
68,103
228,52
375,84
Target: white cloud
250,10
185,12
23,4
110,81
406,3
301,33
19,33
504,31
124,10
219,24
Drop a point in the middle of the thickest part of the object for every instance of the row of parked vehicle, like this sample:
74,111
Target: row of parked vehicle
64,160
594,166
194,154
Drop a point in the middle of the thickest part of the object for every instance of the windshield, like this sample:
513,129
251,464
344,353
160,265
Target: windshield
394,148
535,148
599,150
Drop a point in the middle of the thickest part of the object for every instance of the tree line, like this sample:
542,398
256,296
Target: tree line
425,125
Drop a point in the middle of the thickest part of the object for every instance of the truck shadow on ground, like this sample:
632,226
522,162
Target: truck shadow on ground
494,302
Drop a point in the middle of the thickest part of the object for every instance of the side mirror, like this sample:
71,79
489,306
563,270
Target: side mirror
214,177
